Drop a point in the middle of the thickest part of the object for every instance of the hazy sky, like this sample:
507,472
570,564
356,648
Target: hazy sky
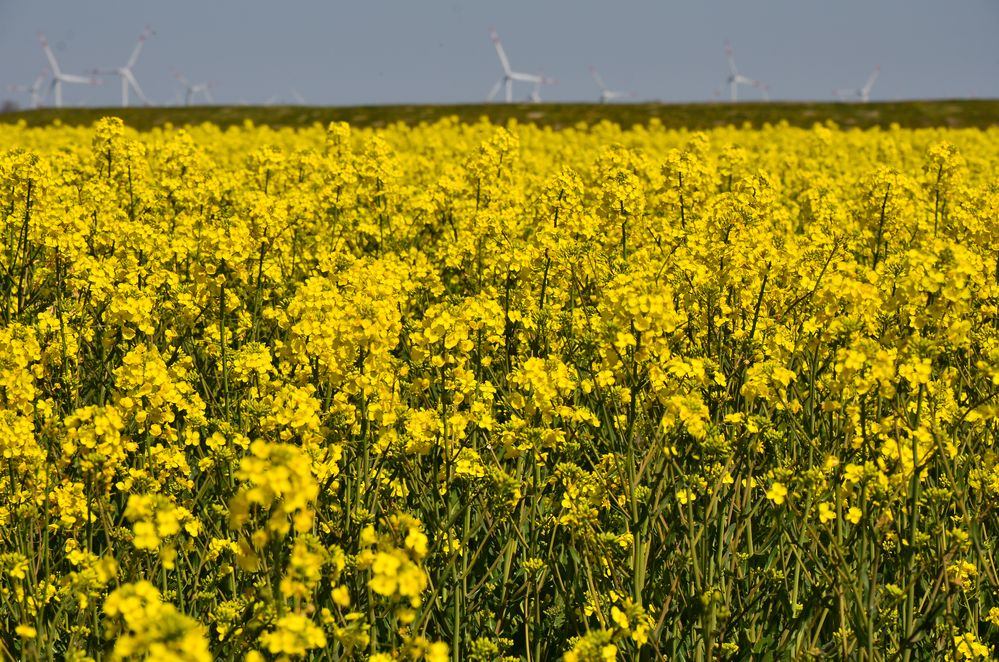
438,51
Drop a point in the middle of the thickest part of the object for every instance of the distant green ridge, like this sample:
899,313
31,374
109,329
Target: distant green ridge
913,114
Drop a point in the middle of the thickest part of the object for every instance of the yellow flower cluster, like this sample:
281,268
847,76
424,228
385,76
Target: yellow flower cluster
395,568
278,480
461,391
146,627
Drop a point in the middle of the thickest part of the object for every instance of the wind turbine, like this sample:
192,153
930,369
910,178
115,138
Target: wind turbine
509,76
735,79
58,77
35,89
125,73
605,94
193,90
535,95
277,99
864,93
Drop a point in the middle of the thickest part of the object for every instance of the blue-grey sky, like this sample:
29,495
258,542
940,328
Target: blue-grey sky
438,51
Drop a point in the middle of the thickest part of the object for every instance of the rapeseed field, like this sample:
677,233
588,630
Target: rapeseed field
469,392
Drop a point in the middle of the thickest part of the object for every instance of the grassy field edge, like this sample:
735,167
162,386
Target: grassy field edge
909,114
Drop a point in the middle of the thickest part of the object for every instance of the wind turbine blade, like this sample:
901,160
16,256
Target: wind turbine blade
495,90
500,52
870,80
37,97
49,54
72,78
128,76
526,78
137,49
730,56
599,81
535,96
